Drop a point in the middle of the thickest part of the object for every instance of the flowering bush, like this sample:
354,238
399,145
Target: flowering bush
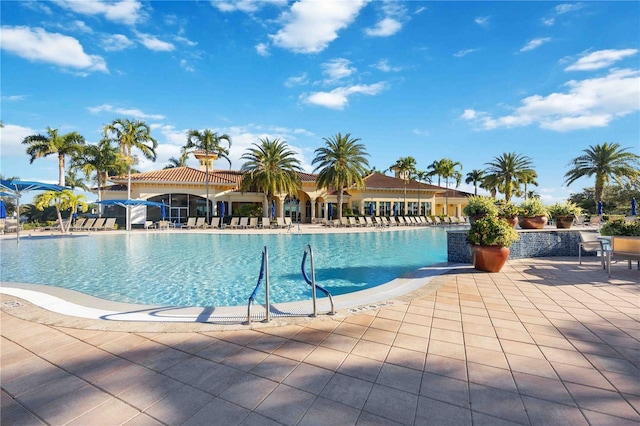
492,231
532,207
479,205
621,227
565,209
507,209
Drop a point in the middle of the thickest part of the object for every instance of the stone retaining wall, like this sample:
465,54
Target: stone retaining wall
533,243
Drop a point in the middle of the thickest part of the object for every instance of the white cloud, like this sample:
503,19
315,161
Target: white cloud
185,41
419,10
14,98
185,65
12,137
421,132
567,7
129,112
600,59
336,70
297,80
464,52
246,6
384,66
310,25
127,12
384,28
535,43
154,43
79,26
339,97
483,21
115,42
548,22
262,49
36,44
586,104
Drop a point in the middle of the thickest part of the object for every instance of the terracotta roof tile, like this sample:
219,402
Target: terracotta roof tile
182,175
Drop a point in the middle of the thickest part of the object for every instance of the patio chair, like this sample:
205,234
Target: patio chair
287,222
384,221
280,222
148,224
88,224
393,221
352,222
191,223
624,248
368,221
253,223
109,224
215,222
594,220
429,220
265,223
98,224
235,222
78,225
243,223
590,243
163,224
201,222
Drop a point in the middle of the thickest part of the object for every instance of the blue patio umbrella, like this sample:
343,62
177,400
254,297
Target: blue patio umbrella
634,211
330,211
3,210
273,209
599,208
395,209
15,188
130,202
163,210
222,208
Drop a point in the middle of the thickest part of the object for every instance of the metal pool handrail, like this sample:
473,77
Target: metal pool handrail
264,274
312,282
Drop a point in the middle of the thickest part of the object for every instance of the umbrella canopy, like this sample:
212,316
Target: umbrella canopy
3,210
163,210
330,211
599,208
15,188
634,211
273,209
127,203
395,209
222,208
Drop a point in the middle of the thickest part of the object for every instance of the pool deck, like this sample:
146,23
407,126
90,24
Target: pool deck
545,341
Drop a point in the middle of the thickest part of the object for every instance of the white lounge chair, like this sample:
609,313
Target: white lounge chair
235,221
201,222
215,222
109,224
98,224
243,223
253,223
191,223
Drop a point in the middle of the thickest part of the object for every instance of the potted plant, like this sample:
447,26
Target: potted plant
532,214
564,213
479,206
489,239
508,211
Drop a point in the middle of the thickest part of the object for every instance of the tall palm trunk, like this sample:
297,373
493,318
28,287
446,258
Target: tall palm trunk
61,170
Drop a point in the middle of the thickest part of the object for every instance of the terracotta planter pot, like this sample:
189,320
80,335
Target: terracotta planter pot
489,258
513,221
564,222
535,222
475,217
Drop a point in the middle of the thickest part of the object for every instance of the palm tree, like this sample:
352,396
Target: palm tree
209,142
436,168
508,170
176,162
127,135
491,183
447,169
474,176
528,178
62,200
53,143
421,176
341,163
606,161
270,168
101,158
405,168
74,181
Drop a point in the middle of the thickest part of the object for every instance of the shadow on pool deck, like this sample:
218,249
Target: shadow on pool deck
545,341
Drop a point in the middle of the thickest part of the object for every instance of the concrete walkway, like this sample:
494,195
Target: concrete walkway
546,341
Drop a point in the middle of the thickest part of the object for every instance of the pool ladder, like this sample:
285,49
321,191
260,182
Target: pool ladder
264,277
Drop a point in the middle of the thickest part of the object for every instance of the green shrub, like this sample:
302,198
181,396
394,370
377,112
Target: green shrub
479,205
506,209
620,227
532,207
565,209
492,231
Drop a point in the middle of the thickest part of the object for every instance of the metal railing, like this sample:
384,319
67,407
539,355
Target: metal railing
312,282
264,276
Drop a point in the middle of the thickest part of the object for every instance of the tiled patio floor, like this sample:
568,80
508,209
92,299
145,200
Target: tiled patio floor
546,341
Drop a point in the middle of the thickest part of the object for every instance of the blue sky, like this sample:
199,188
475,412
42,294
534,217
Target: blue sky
463,80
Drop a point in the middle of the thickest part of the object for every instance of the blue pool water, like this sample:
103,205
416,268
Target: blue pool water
183,269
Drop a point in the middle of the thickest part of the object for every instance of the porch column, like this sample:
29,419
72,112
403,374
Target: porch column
281,207
313,209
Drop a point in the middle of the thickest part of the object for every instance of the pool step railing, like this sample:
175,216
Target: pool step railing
263,276
312,282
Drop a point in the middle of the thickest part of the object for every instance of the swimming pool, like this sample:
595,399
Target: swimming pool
199,269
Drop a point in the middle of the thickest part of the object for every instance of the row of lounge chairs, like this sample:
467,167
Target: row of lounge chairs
237,223
91,224
382,221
